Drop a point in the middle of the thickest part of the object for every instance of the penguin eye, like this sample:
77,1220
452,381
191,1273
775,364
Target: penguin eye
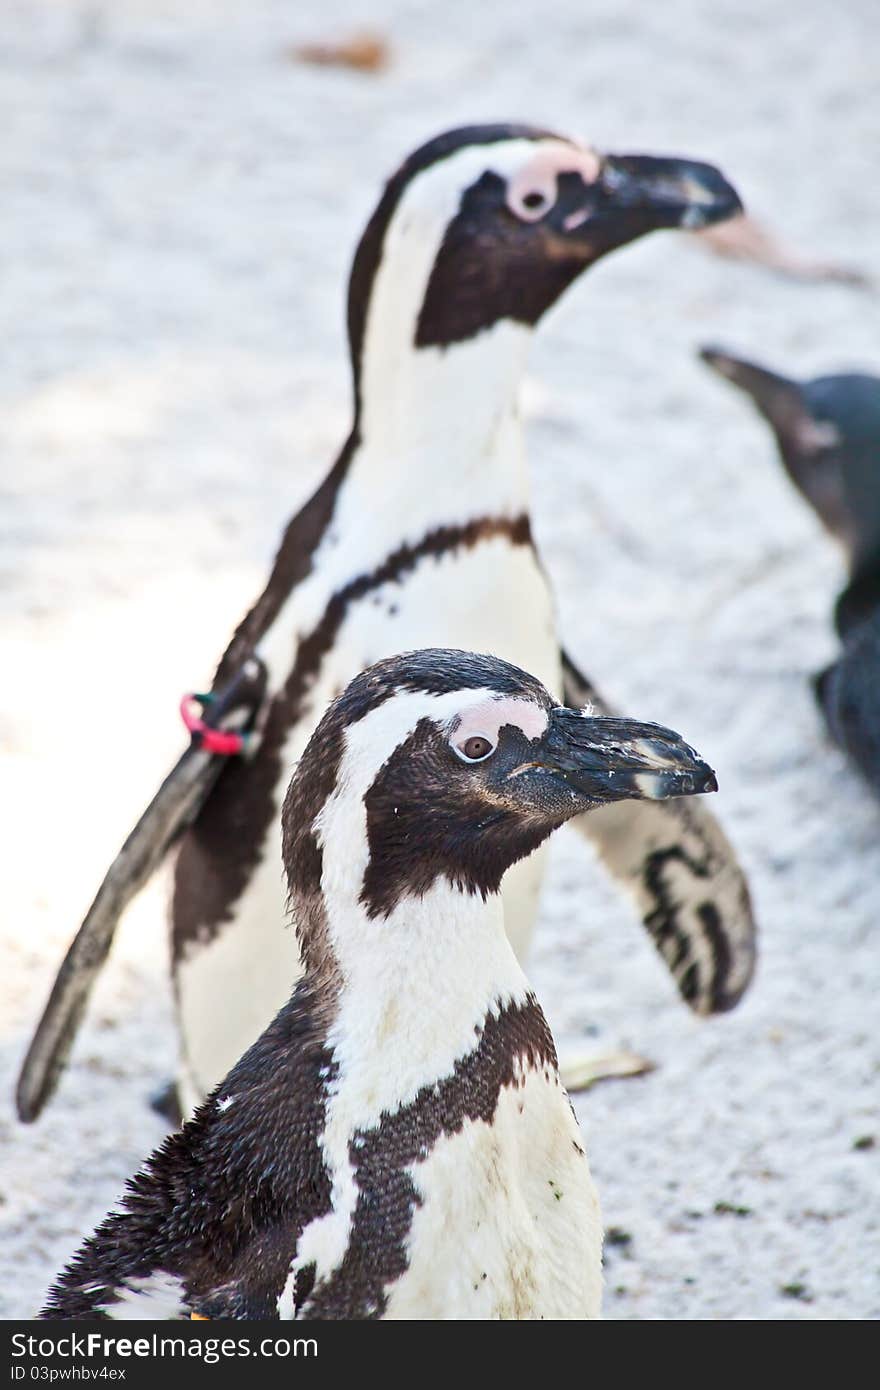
530,204
475,749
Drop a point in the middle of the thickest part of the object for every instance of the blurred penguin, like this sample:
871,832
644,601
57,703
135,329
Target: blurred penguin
828,434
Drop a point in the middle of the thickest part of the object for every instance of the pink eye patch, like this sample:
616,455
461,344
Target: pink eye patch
485,719
532,190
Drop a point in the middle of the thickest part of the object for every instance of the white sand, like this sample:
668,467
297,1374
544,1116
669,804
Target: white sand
179,208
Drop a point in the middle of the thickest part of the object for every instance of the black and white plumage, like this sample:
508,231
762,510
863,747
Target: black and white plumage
828,434
397,1144
420,535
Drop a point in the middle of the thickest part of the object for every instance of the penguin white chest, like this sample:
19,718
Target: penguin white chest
508,1223
490,598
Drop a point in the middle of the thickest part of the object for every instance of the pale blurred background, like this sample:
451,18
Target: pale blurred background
181,197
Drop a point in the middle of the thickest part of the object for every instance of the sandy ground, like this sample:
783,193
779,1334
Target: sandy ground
180,205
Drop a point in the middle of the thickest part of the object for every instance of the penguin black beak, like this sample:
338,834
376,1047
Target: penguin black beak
784,405
777,397
638,193
603,759
653,192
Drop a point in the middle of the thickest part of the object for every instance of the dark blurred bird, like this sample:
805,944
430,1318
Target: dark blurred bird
419,535
828,433
397,1144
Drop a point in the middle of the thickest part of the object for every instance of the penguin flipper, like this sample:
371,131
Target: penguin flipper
174,807
691,892
210,1223
823,685
846,692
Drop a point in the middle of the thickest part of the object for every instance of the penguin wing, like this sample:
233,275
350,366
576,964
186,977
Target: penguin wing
198,1234
209,1226
678,863
172,809
847,694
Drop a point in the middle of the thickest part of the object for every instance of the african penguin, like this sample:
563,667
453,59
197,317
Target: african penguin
418,535
397,1143
828,434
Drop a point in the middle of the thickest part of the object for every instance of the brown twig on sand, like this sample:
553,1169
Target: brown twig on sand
366,51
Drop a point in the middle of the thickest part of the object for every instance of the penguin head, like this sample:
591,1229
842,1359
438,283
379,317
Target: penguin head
448,765
490,224
828,433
